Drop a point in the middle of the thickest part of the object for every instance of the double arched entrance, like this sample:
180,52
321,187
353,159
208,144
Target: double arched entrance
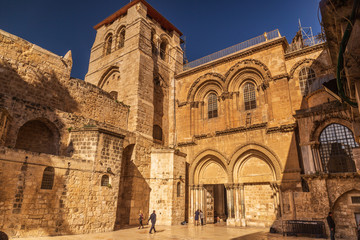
242,191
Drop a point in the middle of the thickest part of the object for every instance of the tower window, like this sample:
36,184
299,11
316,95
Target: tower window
105,181
163,49
108,43
212,106
306,78
249,96
121,42
48,178
157,133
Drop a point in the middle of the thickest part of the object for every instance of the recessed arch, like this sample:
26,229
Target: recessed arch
105,79
254,150
216,78
39,135
242,76
208,160
248,66
120,37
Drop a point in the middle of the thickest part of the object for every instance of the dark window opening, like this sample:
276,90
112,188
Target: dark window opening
105,181
108,44
163,52
121,38
157,133
178,189
48,178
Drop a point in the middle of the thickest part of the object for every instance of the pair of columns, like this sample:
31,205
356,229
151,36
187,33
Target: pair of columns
235,195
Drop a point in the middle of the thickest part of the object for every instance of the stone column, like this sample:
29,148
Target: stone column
192,203
237,204
242,203
230,204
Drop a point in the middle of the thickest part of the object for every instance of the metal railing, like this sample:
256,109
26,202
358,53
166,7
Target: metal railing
309,228
238,47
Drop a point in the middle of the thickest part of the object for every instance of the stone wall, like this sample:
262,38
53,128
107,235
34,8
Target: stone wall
167,183
77,203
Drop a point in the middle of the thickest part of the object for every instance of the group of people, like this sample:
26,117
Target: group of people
152,218
199,215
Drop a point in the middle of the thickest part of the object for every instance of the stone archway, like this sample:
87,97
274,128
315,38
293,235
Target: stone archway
209,175
346,210
39,135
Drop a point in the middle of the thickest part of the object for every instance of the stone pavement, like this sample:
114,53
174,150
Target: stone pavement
210,231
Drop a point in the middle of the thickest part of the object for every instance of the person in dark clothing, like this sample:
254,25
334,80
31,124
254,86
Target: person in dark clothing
331,224
141,217
197,213
153,221
358,231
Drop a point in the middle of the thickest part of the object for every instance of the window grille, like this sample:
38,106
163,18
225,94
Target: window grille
306,78
212,106
249,96
48,178
105,181
355,199
157,132
336,144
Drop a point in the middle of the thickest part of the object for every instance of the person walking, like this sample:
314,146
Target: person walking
202,217
153,221
197,217
141,217
331,224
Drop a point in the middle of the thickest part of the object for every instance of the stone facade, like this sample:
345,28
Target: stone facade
242,138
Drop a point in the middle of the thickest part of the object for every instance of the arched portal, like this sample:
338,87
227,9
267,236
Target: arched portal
210,176
257,195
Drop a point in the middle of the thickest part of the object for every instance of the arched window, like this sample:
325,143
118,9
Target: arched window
306,78
105,181
163,49
212,106
48,178
336,144
178,189
249,96
121,41
108,43
157,133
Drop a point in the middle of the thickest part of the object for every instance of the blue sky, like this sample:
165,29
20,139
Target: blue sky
209,25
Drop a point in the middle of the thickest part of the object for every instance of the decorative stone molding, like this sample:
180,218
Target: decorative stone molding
281,76
241,129
215,76
185,144
282,128
304,51
248,62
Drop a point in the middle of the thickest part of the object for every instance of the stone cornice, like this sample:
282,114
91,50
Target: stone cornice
327,108
241,129
304,51
320,175
244,53
283,128
99,130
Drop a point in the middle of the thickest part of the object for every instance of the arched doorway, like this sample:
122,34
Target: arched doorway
39,135
208,192
256,176
346,211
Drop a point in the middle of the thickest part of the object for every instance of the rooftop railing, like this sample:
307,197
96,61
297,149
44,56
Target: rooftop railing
233,49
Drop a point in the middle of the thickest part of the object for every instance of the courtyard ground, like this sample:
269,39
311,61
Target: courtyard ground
210,231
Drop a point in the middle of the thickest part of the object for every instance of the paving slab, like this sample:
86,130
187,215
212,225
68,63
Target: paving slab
210,231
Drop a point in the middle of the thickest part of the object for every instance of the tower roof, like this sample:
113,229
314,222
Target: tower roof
150,11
